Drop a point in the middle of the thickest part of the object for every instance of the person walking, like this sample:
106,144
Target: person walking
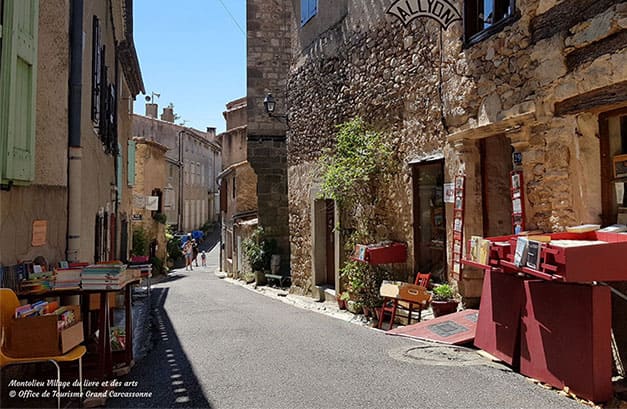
195,251
203,258
188,251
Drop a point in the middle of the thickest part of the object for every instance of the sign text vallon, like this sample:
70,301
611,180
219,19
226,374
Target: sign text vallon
441,10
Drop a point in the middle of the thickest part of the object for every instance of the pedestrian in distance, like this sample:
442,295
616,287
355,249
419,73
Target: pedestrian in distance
188,251
195,251
203,258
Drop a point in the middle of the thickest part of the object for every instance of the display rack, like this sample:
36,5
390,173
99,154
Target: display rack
458,228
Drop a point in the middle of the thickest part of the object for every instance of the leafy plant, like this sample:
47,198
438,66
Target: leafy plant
173,245
140,242
443,292
160,217
352,170
157,265
345,296
258,250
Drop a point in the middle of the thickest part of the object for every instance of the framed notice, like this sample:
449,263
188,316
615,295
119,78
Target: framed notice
40,230
458,227
518,201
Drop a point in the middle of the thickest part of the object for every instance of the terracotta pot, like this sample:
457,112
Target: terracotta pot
366,311
341,303
443,307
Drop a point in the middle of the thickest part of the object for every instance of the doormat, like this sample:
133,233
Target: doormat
455,329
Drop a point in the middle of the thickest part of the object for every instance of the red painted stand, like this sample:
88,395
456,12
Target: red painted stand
566,337
498,326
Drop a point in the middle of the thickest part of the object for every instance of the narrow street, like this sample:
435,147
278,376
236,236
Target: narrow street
220,345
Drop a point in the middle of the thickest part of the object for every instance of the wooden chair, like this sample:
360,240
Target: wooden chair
8,303
393,305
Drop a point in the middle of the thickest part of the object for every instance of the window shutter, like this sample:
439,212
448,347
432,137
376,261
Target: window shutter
119,173
131,163
18,79
313,8
96,64
304,9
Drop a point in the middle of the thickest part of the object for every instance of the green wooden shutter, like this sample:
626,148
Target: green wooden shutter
18,79
131,163
119,173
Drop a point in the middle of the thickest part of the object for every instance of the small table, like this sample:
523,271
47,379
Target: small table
103,348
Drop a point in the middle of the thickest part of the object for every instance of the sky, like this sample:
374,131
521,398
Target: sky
192,53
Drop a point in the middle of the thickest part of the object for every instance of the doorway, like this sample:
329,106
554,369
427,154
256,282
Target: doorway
613,132
324,270
429,218
496,166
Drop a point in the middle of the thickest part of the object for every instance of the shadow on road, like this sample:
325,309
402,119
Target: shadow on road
165,373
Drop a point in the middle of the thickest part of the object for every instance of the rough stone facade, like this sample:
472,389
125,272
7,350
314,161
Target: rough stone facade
150,174
268,60
431,93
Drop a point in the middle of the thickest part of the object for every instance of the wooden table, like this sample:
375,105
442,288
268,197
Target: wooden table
104,362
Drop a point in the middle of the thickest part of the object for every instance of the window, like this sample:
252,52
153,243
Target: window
18,79
308,9
233,187
483,18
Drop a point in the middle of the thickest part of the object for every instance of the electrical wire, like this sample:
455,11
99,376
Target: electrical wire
232,17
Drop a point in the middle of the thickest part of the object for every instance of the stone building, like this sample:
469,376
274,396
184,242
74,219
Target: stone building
268,60
194,161
64,130
456,95
238,188
150,181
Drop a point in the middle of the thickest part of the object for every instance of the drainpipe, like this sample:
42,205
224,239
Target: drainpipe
74,213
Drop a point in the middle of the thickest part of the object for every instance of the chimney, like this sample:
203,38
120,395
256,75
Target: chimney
211,132
151,110
168,114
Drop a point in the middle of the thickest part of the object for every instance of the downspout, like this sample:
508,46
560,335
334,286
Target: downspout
74,213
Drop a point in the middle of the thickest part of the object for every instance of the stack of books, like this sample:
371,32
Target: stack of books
110,276
67,278
37,309
35,286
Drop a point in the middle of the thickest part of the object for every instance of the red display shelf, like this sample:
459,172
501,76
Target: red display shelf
381,253
574,264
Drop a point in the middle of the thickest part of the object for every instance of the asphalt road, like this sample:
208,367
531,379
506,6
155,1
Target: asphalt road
220,345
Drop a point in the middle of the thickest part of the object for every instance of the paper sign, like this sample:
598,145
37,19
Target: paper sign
152,202
449,193
40,229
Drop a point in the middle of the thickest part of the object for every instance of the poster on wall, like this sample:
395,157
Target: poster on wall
458,227
518,201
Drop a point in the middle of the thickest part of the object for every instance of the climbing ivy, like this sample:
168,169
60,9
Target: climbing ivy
360,159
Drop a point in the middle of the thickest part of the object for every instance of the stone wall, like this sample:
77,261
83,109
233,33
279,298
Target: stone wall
509,84
268,60
385,74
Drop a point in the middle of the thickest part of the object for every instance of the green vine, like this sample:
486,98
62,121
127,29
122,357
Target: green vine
351,174
361,159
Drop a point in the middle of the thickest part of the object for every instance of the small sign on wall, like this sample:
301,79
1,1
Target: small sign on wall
449,193
40,230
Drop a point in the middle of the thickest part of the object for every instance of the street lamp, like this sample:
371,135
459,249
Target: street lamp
269,104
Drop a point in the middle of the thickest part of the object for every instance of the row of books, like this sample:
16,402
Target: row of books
110,276
37,309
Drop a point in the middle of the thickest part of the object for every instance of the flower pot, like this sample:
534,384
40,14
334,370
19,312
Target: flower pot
341,303
443,307
260,278
354,307
367,311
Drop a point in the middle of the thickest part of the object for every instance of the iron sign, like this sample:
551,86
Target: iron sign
443,11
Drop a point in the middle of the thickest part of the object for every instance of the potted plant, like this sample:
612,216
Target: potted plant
258,251
341,300
443,301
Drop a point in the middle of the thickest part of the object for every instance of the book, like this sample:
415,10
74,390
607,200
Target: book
583,228
484,251
520,254
533,254
615,228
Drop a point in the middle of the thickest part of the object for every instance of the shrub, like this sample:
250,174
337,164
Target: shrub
140,242
258,250
443,292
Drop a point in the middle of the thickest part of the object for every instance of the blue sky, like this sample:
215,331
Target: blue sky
193,54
